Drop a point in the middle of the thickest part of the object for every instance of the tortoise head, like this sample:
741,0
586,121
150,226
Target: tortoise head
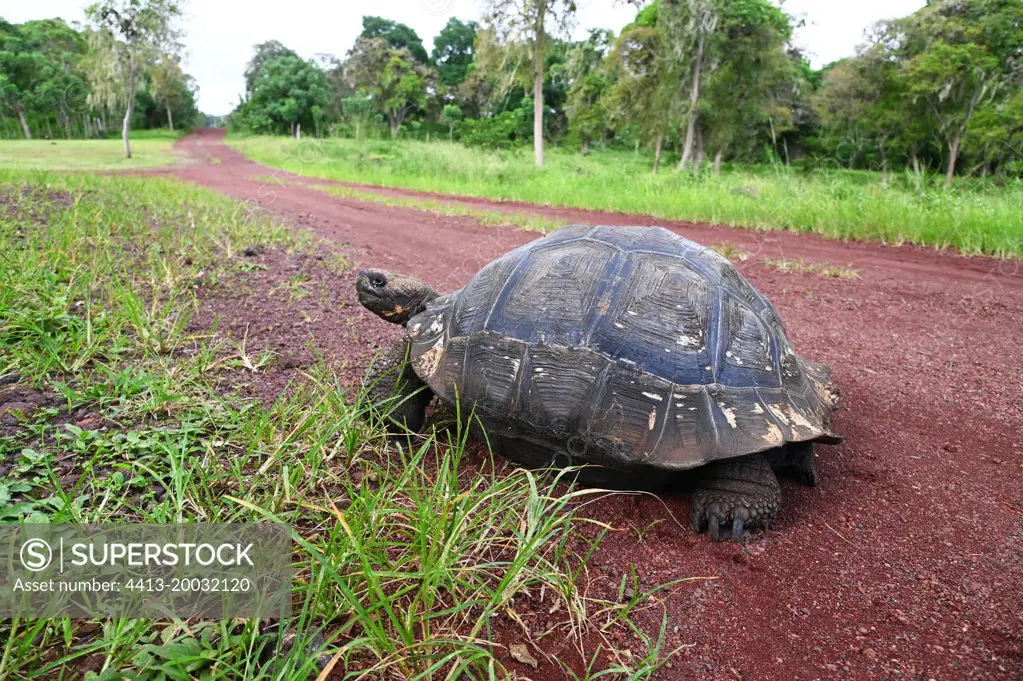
392,297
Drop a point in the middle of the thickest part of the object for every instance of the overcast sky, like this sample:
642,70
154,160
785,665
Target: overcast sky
219,34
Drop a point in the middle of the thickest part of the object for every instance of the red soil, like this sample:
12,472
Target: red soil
905,563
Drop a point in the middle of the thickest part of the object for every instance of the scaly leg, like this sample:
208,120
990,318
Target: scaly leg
740,493
397,391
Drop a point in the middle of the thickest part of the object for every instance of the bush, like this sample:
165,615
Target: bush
497,132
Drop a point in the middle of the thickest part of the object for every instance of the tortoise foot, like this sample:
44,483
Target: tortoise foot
736,495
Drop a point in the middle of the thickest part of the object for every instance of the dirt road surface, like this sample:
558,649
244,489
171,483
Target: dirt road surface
905,563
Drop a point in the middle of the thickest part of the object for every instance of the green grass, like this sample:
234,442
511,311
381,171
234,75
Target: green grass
402,561
149,148
978,219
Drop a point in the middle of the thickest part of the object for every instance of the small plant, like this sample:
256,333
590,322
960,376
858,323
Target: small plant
818,269
732,251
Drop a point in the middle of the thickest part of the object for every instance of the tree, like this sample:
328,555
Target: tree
38,64
20,72
842,103
958,57
142,25
357,110
395,81
752,87
287,93
167,82
686,26
263,52
453,51
531,22
397,36
587,114
450,116
644,89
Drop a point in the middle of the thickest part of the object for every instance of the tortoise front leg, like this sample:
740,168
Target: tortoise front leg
741,493
397,392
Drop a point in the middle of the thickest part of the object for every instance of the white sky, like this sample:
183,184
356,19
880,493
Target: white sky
219,34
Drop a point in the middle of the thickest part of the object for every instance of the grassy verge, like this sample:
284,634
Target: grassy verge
838,204
405,569
149,148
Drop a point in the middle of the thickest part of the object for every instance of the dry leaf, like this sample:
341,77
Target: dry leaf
520,653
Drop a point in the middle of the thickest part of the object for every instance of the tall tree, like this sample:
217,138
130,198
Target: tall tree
262,53
143,25
167,82
453,51
532,22
645,90
397,35
589,81
392,77
21,68
288,93
686,26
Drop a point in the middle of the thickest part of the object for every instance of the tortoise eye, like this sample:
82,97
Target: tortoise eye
377,281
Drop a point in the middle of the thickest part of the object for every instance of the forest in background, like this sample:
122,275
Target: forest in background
708,80
69,81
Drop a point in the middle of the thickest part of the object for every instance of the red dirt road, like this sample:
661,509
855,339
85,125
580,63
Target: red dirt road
905,563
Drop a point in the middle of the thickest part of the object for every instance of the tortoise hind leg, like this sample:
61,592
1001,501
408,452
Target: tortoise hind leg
397,392
795,460
739,493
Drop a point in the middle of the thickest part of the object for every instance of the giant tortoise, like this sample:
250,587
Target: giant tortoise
629,351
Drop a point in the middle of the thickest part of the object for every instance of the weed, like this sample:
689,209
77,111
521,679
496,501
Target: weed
819,269
732,251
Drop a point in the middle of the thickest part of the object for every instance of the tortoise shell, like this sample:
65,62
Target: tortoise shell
627,347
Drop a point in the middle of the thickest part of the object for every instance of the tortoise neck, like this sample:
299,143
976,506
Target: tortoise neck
417,303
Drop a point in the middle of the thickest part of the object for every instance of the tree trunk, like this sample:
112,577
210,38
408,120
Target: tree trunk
953,156
541,7
126,125
170,118
694,100
87,131
658,146
24,123
586,145
916,167
298,131
717,160
699,156
451,132
884,164
394,127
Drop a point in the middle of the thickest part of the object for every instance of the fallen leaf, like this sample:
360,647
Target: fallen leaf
520,653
